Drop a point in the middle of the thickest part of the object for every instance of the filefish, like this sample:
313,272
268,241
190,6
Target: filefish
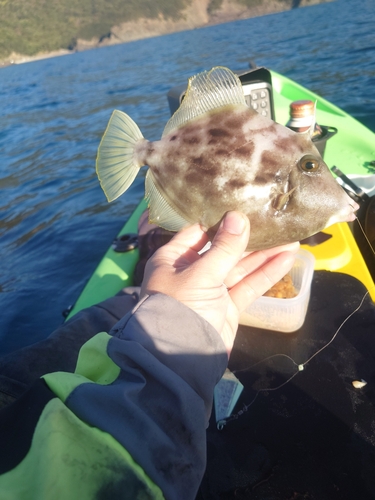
217,154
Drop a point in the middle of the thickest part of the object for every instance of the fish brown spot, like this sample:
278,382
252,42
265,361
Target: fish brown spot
234,122
195,179
244,151
204,162
269,160
197,161
272,129
172,169
221,152
283,144
289,144
191,140
239,116
219,132
235,184
218,135
264,178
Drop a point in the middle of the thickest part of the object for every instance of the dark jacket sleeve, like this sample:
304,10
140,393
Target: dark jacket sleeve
148,385
59,352
159,404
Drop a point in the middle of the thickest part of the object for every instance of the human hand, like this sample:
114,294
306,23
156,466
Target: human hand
219,284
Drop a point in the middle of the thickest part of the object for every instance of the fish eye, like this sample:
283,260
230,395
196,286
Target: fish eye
309,163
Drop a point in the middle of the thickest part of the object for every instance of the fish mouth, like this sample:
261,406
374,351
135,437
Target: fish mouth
353,205
347,214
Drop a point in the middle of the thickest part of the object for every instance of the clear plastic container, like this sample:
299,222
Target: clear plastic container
284,315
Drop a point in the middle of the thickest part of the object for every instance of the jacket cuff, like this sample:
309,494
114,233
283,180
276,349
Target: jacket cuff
179,338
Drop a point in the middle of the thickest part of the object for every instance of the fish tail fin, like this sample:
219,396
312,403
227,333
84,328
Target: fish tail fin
116,162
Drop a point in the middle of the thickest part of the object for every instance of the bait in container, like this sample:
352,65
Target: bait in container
284,315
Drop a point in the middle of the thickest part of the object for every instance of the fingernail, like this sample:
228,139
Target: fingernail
234,223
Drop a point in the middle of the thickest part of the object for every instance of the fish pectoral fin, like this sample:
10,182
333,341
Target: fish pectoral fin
160,211
116,165
281,199
207,91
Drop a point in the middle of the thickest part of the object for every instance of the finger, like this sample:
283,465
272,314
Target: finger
227,246
253,261
192,237
256,284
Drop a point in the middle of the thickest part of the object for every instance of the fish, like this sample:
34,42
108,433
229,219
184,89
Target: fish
217,154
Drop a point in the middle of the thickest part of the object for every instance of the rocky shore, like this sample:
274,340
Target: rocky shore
197,15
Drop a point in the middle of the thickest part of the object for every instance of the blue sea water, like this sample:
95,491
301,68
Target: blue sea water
55,223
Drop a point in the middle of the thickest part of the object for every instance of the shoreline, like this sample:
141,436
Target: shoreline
194,17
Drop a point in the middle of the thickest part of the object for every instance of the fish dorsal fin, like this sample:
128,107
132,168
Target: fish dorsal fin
207,91
160,211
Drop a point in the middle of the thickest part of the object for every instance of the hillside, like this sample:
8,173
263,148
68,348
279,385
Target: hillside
39,28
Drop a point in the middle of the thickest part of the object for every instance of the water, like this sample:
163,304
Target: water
55,223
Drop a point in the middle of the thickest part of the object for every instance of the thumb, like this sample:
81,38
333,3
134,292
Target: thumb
228,245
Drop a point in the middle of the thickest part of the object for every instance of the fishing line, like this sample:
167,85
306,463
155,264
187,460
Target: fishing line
300,367
365,235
